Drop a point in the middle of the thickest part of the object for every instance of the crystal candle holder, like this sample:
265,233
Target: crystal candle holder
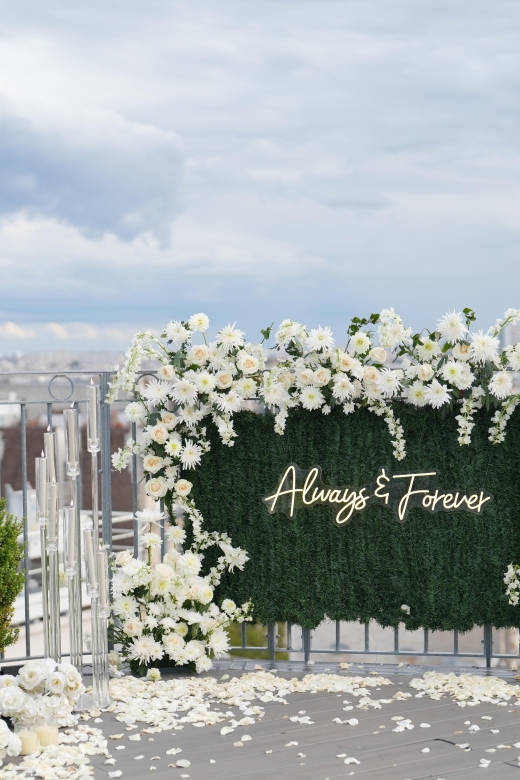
28,736
47,730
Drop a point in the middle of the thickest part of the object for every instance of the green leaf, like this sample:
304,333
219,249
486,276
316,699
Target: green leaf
266,333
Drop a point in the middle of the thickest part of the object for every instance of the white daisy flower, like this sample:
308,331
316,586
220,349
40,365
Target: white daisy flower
175,534
245,387
437,395
229,402
389,382
135,411
145,649
204,382
319,339
149,516
150,540
343,387
483,347
177,334
428,349
311,398
184,392
452,327
501,385
416,394
190,454
174,445
289,331
359,343
275,394
230,338
217,357
219,643
156,390
199,322
452,372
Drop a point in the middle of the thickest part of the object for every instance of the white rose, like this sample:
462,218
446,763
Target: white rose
378,354
12,701
159,433
425,372
173,643
166,372
157,487
224,379
198,355
172,555
306,377
55,682
285,379
133,627
247,363
194,649
371,374
152,463
169,420
322,376
30,676
164,571
183,487
123,557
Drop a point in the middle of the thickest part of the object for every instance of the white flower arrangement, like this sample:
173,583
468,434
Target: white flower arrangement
512,580
42,687
165,612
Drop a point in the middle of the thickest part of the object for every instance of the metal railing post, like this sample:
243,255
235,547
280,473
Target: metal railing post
23,431
271,640
488,644
306,642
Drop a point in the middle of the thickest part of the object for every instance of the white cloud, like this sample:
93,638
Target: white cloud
10,330
311,159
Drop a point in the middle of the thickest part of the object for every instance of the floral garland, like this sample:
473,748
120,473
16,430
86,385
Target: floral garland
167,610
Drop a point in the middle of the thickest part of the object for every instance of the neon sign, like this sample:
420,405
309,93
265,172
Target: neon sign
299,488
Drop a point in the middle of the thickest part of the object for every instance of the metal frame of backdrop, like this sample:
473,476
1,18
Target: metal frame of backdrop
109,519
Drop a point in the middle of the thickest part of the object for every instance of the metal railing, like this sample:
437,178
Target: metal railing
109,518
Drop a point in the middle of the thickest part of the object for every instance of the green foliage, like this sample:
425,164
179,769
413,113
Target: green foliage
448,567
11,580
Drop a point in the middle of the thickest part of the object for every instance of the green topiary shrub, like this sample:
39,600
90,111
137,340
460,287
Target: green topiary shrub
11,580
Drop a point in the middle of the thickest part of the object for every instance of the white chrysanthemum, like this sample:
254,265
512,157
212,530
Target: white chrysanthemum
229,402
203,664
181,629
389,382
121,583
204,382
189,562
173,644
452,327
275,394
219,643
191,415
416,394
428,349
466,378
501,385
177,334
217,357
230,338
319,339
483,347
452,372
245,387
437,395
311,398
156,390
150,540
184,392
199,322
176,534
125,607
174,445
289,331
343,387
145,649
229,606
513,357
190,454
135,411
359,343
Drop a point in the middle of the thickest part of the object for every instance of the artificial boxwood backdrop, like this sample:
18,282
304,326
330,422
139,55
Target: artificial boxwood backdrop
448,567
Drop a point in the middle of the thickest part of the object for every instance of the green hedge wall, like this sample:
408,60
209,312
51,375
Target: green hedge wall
448,567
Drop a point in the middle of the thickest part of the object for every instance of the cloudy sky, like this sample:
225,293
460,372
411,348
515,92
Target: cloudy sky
255,160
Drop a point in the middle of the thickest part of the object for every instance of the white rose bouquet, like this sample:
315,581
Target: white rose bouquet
41,687
165,612
10,744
